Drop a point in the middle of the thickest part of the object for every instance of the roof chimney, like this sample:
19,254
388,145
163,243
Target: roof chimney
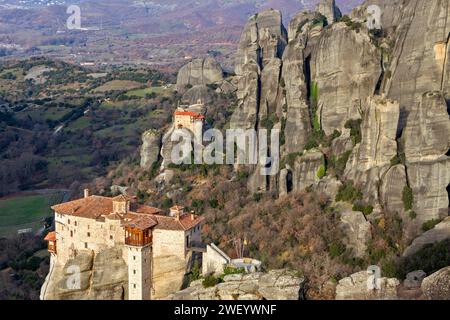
86,193
192,216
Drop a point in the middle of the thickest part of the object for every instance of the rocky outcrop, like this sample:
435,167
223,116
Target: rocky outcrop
439,233
427,141
356,287
274,285
424,41
371,159
437,285
357,231
258,68
343,83
103,276
329,9
198,94
151,144
391,190
295,84
305,170
427,132
199,72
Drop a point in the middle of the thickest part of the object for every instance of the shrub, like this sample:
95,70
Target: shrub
355,130
366,210
408,198
195,272
232,270
412,215
210,281
336,249
214,203
322,171
257,196
348,193
430,259
430,224
340,163
398,159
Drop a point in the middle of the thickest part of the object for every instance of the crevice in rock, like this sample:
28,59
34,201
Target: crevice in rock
448,195
307,74
289,181
380,80
402,120
448,153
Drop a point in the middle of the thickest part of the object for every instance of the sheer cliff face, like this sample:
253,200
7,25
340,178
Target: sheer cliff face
318,77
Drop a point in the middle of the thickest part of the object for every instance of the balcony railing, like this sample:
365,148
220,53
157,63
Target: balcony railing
132,240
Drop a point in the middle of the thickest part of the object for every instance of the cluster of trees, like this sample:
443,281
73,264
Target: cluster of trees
22,273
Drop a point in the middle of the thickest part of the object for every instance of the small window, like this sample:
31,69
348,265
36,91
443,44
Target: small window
88,234
110,237
134,257
68,221
75,223
71,233
134,286
85,245
134,271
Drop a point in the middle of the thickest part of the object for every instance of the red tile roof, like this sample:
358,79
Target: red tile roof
189,114
142,222
97,207
51,236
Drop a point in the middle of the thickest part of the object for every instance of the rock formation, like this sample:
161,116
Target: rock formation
274,285
329,9
102,277
356,287
437,285
427,141
151,144
371,159
357,230
439,233
342,82
199,72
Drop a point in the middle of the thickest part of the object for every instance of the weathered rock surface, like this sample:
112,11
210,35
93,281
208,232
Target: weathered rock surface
298,117
274,285
437,285
199,72
151,144
424,41
329,9
371,159
427,140
102,277
391,189
305,170
414,279
258,68
343,83
356,287
198,94
439,233
357,230
168,275
329,186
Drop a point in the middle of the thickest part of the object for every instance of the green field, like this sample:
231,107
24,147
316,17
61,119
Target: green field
142,92
25,211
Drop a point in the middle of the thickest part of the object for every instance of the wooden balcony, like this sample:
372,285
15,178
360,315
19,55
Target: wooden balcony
138,238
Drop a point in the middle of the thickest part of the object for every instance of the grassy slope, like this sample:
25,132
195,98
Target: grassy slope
25,211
